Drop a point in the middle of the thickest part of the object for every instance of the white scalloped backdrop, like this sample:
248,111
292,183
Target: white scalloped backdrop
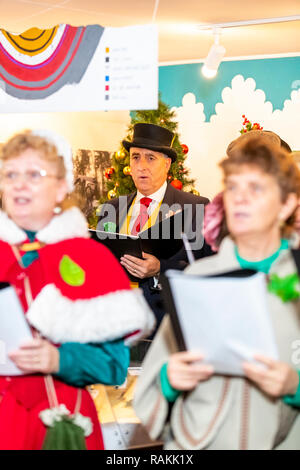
207,141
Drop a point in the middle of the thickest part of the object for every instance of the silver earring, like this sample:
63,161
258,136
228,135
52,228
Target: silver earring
57,210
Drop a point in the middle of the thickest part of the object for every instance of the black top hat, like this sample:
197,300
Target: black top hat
152,137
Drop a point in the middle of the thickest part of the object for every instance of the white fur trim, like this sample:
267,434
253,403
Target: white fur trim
69,224
63,149
99,319
9,231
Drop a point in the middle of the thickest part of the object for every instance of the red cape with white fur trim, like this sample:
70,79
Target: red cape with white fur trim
99,307
80,294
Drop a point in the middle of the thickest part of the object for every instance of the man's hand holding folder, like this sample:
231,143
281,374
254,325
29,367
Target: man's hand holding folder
140,255
147,267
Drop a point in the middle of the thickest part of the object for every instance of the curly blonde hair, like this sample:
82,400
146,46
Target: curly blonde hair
23,141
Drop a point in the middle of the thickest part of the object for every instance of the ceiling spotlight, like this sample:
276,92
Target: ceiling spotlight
214,57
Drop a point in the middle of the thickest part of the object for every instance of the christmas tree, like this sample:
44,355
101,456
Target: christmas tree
118,179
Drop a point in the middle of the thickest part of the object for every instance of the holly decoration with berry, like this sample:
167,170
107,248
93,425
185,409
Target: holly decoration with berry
248,126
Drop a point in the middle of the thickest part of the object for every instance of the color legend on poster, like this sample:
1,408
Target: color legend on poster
131,72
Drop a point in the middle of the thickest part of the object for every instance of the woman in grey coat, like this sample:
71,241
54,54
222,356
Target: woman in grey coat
179,399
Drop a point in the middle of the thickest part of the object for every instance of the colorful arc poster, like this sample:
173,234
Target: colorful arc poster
68,68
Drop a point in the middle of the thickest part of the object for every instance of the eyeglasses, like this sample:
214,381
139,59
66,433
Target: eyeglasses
33,177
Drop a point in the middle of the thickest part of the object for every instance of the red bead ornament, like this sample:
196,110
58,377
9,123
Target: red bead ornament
109,172
176,184
185,148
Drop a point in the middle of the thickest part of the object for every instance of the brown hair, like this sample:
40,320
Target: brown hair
270,159
268,136
296,158
21,142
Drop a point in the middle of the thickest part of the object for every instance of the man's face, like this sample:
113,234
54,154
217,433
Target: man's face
149,169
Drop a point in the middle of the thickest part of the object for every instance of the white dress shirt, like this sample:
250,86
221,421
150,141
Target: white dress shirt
156,197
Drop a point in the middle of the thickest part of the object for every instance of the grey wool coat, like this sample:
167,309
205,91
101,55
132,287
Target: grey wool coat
223,412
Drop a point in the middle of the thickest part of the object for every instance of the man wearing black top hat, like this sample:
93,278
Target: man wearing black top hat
151,155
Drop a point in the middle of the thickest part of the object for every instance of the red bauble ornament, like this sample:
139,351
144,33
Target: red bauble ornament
169,178
176,184
109,172
185,148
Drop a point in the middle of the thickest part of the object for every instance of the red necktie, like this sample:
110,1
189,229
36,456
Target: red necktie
143,215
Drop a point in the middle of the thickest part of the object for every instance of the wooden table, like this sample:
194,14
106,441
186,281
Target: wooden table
121,427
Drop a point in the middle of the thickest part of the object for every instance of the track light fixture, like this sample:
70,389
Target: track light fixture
214,57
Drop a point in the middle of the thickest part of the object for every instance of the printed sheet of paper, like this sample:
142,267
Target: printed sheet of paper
227,319
89,68
14,330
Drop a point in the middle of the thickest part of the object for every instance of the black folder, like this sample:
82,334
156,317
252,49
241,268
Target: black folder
4,285
162,240
118,243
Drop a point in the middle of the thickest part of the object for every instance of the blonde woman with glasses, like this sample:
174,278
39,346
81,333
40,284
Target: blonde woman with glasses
82,317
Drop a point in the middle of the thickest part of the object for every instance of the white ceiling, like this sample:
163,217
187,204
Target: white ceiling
179,39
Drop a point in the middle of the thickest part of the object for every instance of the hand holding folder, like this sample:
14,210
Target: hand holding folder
162,240
224,317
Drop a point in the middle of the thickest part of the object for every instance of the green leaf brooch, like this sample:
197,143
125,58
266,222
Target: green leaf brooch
71,272
284,287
